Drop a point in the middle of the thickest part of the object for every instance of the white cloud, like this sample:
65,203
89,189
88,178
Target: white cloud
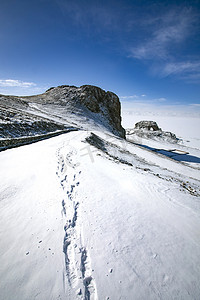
20,88
15,83
131,97
188,71
181,67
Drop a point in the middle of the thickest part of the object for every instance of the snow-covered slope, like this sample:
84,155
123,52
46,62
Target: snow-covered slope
55,110
89,215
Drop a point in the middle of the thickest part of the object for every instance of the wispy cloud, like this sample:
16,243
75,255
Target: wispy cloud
189,70
15,83
20,88
166,32
164,48
180,67
159,36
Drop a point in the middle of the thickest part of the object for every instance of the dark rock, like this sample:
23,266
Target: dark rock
148,125
105,103
51,88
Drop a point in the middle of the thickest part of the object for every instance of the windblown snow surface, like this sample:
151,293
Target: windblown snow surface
88,215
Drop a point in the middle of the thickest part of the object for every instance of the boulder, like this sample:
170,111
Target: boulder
148,125
150,130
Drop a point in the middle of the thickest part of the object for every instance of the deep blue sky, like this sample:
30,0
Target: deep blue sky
141,50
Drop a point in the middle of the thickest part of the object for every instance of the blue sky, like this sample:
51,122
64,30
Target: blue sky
141,50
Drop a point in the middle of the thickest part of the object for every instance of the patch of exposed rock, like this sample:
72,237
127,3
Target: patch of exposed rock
150,130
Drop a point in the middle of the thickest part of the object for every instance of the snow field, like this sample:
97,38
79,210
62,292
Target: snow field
76,223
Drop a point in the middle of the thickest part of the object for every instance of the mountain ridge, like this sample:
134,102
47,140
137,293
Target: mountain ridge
58,109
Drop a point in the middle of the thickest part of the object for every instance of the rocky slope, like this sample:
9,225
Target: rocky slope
53,110
60,109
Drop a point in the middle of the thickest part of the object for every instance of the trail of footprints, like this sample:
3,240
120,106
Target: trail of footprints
77,262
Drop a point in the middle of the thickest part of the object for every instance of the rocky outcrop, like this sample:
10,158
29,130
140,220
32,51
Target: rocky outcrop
95,99
150,130
105,103
148,125
59,108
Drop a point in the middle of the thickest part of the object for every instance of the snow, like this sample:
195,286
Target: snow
30,225
107,221
185,124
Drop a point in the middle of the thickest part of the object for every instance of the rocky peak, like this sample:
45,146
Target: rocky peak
95,99
86,107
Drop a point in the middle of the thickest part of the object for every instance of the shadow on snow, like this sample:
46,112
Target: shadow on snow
172,154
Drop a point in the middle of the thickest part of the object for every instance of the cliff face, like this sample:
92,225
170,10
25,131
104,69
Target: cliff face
106,103
58,108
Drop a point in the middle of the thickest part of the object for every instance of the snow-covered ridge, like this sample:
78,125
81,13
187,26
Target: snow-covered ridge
58,109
